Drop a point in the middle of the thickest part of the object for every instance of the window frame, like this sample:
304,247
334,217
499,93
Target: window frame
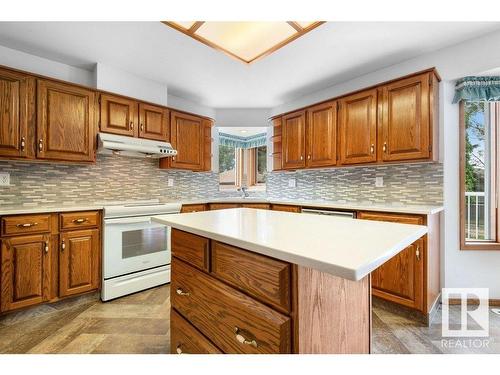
476,245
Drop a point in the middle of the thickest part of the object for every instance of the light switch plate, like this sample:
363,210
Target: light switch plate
292,182
170,182
4,179
379,182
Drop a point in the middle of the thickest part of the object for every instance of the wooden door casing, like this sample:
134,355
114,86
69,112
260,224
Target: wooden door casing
17,114
153,122
405,119
78,262
358,128
322,135
401,278
66,122
25,276
187,137
119,115
294,140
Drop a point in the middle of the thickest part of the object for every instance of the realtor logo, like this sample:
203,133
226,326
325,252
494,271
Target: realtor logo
474,319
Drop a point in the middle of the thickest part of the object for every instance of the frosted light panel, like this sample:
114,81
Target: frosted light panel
246,40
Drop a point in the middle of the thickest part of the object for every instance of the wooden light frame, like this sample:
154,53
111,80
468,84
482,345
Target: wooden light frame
196,25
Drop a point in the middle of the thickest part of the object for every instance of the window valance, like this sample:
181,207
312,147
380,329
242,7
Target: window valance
256,140
477,89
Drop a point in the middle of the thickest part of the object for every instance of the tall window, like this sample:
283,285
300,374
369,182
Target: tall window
479,172
242,167
227,167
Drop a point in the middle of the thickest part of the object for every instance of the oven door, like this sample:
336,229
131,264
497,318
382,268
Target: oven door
134,244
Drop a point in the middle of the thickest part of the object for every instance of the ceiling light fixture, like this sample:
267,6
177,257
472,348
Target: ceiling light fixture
245,41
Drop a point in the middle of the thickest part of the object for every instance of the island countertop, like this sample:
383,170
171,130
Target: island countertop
347,248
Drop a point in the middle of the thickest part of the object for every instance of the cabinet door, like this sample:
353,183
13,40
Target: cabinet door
153,122
25,271
17,106
118,115
66,122
400,279
406,119
294,140
187,137
322,135
358,128
78,262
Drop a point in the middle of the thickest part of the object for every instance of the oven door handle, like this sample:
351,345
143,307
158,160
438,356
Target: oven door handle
129,220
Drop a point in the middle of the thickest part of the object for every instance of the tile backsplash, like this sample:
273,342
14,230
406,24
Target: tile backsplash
116,178
408,184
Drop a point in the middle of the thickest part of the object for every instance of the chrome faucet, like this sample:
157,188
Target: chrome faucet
243,190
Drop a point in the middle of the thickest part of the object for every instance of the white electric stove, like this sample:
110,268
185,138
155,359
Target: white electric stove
136,251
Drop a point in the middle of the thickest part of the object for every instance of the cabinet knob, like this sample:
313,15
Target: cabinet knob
384,148
181,292
23,143
417,252
142,127
301,157
242,339
46,247
308,157
178,349
40,144
63,245
372,148
131,125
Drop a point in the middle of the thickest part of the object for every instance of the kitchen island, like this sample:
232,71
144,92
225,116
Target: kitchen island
259,281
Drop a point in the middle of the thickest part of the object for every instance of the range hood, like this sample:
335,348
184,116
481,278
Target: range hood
112,144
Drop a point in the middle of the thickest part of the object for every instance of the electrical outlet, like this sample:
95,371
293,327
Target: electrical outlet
4,179
379,182
292,182
170,182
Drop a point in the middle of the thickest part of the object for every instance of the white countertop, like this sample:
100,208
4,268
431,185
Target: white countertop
396,208
347,248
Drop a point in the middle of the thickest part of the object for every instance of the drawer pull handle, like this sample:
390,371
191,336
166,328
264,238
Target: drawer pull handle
242,339
80,220
40,144
417,253
178,349
63,246
26,225
180,292
46,247
23,143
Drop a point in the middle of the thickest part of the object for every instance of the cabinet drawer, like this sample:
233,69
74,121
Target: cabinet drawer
79,220
262,277
233,321
185,339
390,217
222,206
286,208
22,224
193,208
260,206
190,248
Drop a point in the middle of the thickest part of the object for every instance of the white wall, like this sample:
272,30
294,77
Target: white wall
247,117
459,268
189,106
115,80
38,65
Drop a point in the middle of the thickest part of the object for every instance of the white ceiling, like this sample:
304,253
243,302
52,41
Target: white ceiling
332,53
242,131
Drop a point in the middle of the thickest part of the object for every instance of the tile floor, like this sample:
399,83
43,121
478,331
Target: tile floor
139,324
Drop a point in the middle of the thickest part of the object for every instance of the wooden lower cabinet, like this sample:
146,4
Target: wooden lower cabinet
193,207
409,278
45,267
248,303
285,208
79,262
26,276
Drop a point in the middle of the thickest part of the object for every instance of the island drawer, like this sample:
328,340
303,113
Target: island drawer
264,278
78,220
185,339
23,224
260,206
191,248
222,206
193,208
233,321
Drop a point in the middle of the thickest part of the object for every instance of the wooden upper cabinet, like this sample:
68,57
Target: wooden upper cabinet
294,140
119,115
322,135
25,269
358,128
17,114
66,122
153,122
187,137
277,144
78,262
405,115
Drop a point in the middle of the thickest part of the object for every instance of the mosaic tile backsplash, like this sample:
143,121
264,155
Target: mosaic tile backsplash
116,178
407,184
